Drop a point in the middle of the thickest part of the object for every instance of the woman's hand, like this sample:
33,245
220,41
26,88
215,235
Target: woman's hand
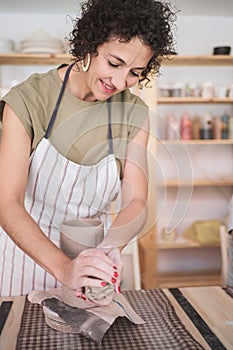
91,268
115,256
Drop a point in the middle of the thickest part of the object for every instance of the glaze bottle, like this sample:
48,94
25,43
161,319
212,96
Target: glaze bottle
186,127
225,121
206,131
230,128
217,128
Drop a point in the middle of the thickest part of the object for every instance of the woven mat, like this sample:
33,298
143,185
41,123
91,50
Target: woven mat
162,330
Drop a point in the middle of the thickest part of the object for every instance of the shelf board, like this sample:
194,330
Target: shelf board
175,60
197,183
190,100
196,142
209,60
191,279
182,244
33,59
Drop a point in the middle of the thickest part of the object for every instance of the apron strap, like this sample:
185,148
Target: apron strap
54,114
110,143
110,149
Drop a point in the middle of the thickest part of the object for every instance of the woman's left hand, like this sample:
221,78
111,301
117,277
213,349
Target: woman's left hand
115,255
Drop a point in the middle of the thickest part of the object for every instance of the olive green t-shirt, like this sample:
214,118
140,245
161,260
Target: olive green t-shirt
80,131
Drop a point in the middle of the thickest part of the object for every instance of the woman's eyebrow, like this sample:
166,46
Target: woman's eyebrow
123,62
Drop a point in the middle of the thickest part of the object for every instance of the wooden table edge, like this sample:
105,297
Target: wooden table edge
186,320
8,338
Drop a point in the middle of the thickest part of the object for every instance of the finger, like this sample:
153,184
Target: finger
100,253
91,279
78,292
97,268
117,289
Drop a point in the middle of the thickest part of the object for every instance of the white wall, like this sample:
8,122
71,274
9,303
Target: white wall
194,35
198,35
18,26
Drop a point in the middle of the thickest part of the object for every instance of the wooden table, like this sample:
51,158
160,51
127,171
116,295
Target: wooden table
196,306
214,306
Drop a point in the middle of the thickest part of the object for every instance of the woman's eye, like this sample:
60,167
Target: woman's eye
135,74
113,64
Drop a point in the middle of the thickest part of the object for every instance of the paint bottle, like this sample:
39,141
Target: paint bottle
186,127
225,121
230,128
206,132
196,126
217,128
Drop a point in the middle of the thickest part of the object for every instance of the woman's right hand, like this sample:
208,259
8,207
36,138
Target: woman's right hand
91,268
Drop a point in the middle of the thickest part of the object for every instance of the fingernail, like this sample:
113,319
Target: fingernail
84,297
103,284
113,280
114,266
119,289
115,274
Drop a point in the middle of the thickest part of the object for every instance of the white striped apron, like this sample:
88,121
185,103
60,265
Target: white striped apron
57,190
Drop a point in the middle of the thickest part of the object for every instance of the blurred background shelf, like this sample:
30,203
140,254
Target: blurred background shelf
206,60
204,278
197,183
183,243
33,59
189,100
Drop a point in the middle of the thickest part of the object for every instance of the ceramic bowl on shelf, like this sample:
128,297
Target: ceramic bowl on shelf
41,42
222,50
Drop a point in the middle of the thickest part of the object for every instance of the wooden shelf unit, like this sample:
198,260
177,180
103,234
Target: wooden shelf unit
16,58
194,100
182,244
197,142
198,183
178,246
33,59
207,60
196,279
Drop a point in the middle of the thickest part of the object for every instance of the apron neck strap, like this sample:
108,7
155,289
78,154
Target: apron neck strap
110,148
54,114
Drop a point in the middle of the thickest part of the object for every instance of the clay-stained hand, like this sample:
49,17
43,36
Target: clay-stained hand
91,268
115,256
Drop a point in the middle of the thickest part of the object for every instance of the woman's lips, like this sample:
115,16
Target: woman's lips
109,89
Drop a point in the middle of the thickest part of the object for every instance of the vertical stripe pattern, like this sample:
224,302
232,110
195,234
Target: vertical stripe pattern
57,190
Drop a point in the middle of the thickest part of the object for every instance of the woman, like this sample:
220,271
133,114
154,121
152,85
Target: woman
71,139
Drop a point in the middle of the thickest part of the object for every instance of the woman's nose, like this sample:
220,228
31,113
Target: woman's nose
119,80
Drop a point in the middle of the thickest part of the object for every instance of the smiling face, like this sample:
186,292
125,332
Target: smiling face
116,67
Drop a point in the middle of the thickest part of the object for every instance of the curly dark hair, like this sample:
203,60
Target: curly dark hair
149,20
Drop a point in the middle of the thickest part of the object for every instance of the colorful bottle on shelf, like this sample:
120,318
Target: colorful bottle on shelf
196,126
217,128
186,127
206,131
225,122
230,128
